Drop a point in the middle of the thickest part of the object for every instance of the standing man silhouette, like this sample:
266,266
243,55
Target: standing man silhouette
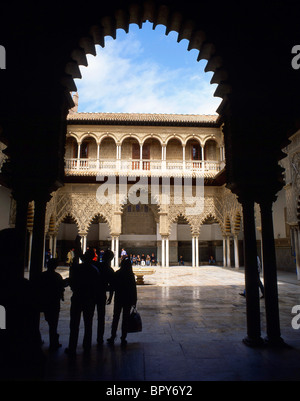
106,277
84,278
125,297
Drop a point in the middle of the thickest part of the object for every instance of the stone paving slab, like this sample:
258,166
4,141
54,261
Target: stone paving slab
194,321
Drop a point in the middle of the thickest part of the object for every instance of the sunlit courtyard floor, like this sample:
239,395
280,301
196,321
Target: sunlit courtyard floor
194,321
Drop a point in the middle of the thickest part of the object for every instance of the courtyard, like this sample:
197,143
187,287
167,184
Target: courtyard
194,320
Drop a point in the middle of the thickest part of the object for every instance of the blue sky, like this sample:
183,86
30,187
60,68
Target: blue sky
146,71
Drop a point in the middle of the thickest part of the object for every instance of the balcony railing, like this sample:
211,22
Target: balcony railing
142,167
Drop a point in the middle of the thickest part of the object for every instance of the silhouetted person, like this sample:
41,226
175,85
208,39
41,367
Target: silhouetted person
259,282
51,287
106,276
21,356
125,297
77,250
84,284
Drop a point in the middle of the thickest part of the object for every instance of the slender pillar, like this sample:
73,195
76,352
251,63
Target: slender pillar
251,276
236,252
29,248
167,251
193,251
84,243
98,156
270,273
228,251
78,155
224,252
202,152
183,157
54,245
117,252
51,244
113,250
141,156
162,252
197,251
163,157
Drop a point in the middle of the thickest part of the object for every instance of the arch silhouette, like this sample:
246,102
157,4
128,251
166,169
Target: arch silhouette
121,16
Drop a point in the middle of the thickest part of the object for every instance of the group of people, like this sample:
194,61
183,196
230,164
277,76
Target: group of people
93,284
142,260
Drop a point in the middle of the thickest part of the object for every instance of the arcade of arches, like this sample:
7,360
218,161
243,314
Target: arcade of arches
249,53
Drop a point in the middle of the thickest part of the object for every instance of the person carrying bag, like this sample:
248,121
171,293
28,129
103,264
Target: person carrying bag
125,296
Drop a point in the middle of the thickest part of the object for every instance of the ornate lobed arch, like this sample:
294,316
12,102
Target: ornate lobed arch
122,15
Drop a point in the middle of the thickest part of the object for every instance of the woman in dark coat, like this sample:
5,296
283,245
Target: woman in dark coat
125,297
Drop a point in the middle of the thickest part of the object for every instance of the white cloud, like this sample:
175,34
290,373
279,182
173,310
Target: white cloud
122,79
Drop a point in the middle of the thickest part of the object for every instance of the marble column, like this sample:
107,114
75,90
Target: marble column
141,156
78,156
236,252
193,251
228,251
224,252
167,251
113,250
84,243
197,252
98,156
54,244
29,248
117,252
163,252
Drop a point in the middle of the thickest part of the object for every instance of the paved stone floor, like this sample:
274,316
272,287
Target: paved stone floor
194,321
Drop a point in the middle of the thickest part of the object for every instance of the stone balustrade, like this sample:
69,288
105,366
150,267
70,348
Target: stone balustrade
92,166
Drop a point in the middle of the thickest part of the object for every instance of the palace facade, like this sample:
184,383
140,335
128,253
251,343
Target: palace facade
154,183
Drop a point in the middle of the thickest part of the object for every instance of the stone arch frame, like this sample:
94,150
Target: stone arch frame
211,137
74,135
174,136
212,215
121,16
107,135
130,136
177,213
192,138
87,135
152,136
63,216
97,213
